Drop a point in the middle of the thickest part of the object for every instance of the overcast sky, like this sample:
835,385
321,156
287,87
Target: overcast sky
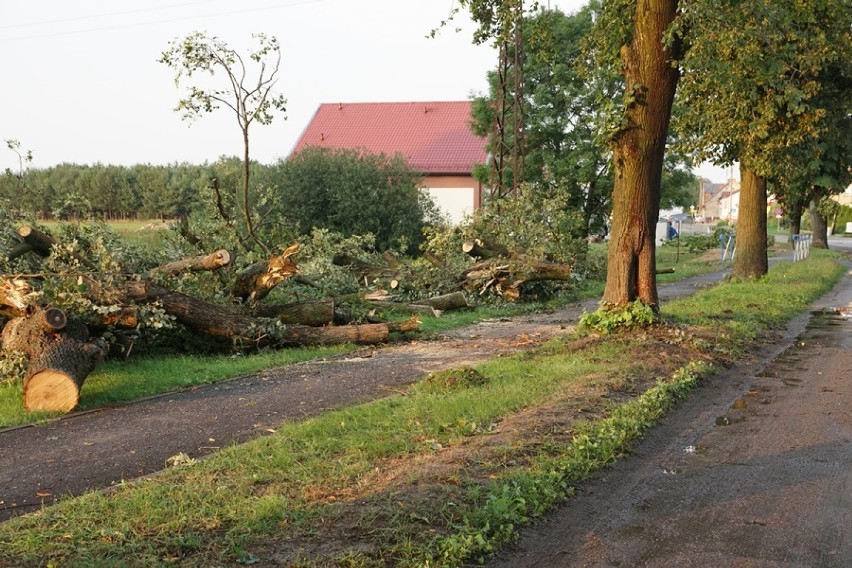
81,80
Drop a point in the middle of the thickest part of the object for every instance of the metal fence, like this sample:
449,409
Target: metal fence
801,247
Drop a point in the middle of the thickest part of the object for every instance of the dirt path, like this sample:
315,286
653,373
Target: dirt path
753,470
97,449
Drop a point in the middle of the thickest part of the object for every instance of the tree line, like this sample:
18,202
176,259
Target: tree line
762,84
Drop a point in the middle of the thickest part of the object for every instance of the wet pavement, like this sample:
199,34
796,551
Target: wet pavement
754,470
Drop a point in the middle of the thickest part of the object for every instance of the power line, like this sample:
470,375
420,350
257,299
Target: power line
97,16
156,22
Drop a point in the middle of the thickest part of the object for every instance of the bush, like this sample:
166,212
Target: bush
699,242
843,216
353,193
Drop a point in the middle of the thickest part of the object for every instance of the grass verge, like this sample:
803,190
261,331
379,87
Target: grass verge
440,475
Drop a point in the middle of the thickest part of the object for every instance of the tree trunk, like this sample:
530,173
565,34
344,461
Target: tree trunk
60,358
751,260
212,261
794,216
410,309
315,313
650,82
818,222
451,301
506,277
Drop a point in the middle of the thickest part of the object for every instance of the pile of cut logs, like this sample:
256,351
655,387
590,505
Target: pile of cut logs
61,351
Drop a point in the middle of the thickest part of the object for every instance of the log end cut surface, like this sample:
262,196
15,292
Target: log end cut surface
50,390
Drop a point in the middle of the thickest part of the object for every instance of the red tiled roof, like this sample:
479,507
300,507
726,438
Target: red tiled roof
433,136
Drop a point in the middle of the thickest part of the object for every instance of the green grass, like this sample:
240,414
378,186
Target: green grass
352,484
147,234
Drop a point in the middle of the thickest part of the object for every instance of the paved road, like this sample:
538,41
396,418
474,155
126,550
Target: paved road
754,470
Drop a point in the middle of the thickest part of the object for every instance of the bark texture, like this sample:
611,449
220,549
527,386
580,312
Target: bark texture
59,354
819,225
751,260
248,331
650,82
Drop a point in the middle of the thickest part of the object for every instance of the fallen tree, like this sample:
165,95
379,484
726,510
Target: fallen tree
249,331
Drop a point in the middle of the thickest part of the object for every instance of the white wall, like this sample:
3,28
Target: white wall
454,202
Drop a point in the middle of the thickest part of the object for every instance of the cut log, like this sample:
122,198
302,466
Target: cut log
60,358
42,244
56,375
257,280
479,249
212,261
399,307
249,331
405,326
315,313
451,301
18,250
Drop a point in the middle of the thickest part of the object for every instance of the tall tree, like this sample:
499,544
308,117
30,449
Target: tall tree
762,62
248,92
562,120
636,30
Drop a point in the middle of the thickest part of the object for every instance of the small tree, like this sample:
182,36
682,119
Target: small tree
248,92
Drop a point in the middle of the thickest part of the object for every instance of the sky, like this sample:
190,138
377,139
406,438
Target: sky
82,82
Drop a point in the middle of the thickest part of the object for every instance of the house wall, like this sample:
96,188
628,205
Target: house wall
455,196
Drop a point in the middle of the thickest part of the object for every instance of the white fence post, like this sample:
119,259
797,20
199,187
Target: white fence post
801,247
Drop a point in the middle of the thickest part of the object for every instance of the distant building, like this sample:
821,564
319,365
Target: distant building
719,201
434,137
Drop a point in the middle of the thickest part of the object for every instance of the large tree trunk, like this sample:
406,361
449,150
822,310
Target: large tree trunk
60,358
451,301
650,82
751,260
314,313
507,276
